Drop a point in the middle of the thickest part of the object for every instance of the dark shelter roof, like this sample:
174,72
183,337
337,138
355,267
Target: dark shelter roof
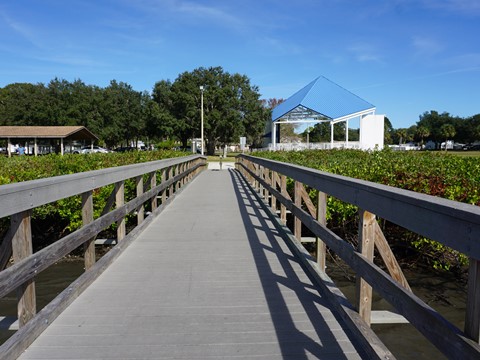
47,132
322,99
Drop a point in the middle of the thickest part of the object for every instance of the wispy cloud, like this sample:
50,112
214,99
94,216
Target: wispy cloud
21,29
426,46
363,52
468,7
472,69
465,61
190,10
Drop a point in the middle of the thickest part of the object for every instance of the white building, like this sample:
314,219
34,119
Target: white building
324,101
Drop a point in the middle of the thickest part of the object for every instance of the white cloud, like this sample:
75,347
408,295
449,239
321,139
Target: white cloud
23,30
469,7
190,10
364,52
426,46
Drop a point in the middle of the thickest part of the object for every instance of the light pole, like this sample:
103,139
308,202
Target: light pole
201,116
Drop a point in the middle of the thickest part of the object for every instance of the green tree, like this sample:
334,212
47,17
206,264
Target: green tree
401,135
447,131
422,133
122,113
388,132
232,107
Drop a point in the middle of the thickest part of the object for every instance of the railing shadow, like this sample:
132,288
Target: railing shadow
293,342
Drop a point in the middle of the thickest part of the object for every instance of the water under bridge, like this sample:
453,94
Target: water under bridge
211,270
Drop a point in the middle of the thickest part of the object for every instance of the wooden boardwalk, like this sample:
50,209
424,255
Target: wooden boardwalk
210,278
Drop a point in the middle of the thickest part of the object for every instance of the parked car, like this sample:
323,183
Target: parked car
90,149
125,148
472,147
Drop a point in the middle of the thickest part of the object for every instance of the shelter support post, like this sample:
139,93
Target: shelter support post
274,135
346,134
35,147
9,148
61,146
331,134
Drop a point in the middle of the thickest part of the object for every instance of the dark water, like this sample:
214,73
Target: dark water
443,293
48,284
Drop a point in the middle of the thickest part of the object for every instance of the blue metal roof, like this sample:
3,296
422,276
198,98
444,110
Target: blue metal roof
325,99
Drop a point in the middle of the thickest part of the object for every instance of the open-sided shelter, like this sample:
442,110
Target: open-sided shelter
33,134
324,101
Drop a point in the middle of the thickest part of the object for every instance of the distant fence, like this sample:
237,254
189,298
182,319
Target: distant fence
313,146
156,183
453,224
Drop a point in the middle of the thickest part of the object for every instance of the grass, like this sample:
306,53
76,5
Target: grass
464,153
230,157
212,158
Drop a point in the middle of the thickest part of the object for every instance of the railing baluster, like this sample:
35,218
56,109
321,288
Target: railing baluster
366,246
283,209
21,249
297,224
273,183
87,218
170,175
120,201
140,210
472,316
153,184
322,219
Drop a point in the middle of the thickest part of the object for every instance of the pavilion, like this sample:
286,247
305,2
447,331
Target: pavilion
324,101
29,134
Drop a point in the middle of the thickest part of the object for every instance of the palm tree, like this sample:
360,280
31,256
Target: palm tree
447,131
402,134
422,132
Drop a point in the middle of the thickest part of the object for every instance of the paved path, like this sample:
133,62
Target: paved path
210,278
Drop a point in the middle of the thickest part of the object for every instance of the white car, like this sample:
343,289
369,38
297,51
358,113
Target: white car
90,149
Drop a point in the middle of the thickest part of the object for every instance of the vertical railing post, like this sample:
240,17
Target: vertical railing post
297,224
273,183
87,218
153,184
184,168
472,316
283,209
322,219
120,201
366,246
266,177
164,191
140,210
170,175
22,248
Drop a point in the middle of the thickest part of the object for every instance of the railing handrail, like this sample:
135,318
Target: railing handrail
423,212
456,223
18,197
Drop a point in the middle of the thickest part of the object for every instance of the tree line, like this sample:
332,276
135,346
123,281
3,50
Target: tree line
118,114
436,127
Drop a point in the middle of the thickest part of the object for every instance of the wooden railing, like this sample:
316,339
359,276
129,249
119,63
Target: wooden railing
453,224
163,179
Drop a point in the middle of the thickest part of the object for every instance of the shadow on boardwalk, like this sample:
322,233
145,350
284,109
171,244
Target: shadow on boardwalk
293,341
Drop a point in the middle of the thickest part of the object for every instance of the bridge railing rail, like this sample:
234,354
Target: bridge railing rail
156,184
453,224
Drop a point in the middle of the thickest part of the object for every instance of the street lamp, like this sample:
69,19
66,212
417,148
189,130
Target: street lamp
201,116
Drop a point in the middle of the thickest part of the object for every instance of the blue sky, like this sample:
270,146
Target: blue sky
404,56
